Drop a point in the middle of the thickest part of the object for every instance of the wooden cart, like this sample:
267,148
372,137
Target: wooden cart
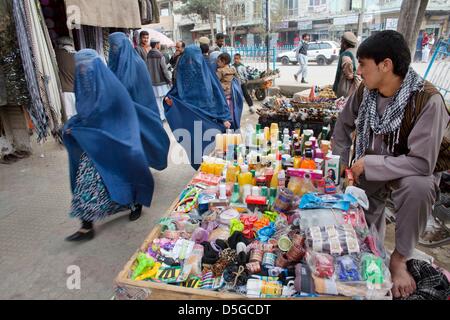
260,86
128,289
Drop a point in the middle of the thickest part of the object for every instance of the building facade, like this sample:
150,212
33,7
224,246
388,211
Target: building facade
244,20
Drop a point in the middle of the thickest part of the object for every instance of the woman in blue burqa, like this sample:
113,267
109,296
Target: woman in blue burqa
108,168
196,107
132,71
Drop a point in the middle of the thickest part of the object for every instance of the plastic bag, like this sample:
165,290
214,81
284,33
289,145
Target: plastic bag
193,264
222,232
334,240
300,186
321,264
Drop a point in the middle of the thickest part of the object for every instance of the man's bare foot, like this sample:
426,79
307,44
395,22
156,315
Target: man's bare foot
403,283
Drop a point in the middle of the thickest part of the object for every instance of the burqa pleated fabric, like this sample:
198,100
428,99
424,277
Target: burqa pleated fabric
199,105
132,71
106,129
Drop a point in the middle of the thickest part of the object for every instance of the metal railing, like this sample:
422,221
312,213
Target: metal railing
255,57
438,71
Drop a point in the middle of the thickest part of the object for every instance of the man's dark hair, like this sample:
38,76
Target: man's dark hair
153,44
225,58
143,33
183,45
384,45
304,36
220,36
205,48
237,55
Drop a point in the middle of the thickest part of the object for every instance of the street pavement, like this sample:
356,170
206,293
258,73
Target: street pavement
34,203
321,75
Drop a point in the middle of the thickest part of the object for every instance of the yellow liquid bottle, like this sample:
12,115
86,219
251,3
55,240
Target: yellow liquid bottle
232,173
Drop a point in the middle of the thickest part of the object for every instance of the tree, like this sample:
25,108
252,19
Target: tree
234,11
205,9
412,13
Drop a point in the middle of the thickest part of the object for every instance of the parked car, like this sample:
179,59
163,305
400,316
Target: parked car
322,52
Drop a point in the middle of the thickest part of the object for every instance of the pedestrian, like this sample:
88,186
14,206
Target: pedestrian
144,45
65,57
161,77
425,48
108,169
226,74
400,121
196,98
220,42
302,58
179,49
241,72
165,53
133,74
205,51
347,81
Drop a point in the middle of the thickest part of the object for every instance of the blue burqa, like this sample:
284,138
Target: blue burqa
132,71
106,128
199,106
237,96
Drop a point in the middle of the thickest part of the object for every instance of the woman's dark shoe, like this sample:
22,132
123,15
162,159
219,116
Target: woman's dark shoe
81,235
136,213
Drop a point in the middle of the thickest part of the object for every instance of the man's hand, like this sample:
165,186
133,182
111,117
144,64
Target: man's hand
358,169
227,124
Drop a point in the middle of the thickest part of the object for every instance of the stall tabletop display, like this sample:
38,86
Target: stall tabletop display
321,108
264,217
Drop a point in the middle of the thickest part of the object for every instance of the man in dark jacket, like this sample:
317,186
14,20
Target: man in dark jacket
161,77
179,49
302,58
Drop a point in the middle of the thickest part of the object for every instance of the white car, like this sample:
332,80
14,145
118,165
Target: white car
322,52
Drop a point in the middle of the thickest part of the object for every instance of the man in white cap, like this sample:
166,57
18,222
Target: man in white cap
347,80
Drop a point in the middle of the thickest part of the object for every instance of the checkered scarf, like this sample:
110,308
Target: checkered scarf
389,124
431,283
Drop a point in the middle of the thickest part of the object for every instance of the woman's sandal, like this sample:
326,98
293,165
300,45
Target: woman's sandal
136,213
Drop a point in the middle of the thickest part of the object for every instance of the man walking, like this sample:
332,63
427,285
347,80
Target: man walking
179,49
400,121
302,58
243,77
347,81
144,47
161,77
220,42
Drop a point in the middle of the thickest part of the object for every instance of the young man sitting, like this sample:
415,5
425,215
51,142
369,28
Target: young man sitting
400,121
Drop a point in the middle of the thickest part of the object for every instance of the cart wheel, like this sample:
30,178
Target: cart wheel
260,94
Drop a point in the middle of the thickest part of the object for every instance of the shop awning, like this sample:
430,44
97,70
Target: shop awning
104,13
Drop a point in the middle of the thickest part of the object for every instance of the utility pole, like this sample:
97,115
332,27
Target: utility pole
361,19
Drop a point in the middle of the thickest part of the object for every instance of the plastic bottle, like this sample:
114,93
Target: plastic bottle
222,191
272,196
232,173
253,172
274,183
282,179
308,162
235,197
245,177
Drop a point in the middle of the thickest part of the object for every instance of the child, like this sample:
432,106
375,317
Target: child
242,74
226,75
